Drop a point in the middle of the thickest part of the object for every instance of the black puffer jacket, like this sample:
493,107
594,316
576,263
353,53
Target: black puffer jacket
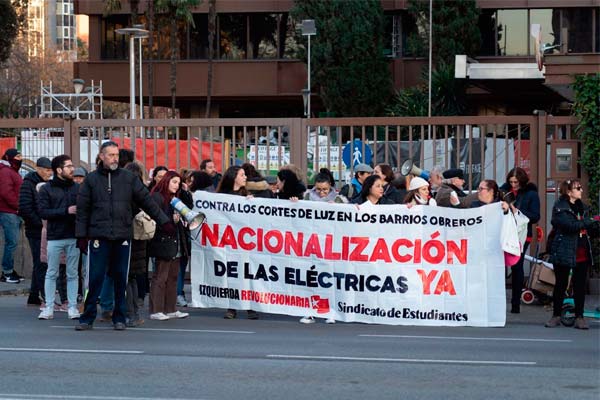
182,233
393,194
106,201
567,228
137,263
528,202
54,199
28,205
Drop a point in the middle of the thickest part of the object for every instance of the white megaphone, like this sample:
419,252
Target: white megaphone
409,167
195,219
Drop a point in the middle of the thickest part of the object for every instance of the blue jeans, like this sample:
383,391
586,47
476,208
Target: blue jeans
106,257
11,224
183,262
55,248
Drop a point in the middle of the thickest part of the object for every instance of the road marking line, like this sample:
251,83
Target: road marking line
42,350
471,338
407,360
163,330
15,396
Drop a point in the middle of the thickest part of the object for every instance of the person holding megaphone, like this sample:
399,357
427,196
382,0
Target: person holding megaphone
168,245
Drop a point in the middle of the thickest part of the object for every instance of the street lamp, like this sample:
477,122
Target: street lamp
133,32
78,86
306,99
308,29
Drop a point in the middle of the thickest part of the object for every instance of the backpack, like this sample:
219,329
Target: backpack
143,226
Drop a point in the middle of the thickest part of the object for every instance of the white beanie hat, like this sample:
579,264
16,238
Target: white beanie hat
416,183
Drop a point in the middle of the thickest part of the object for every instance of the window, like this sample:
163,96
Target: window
507,32
114,46
293,40
487,27
512,32
263,35
199,38
232,36
549,21
578,22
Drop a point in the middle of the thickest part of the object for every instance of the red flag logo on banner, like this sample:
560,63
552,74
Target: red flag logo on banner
319,304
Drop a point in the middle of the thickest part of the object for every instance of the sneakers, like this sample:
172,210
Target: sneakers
580,323
17,276
553,322
83,327
159,316
178,314
47,313
230,314
73,313
119,326
330,321
181,302
307,320
13,277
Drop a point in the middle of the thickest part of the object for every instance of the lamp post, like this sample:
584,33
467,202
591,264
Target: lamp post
78,86
430,57
140,33
308,29
305,100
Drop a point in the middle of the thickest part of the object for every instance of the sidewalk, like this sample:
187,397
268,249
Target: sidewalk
530,314
15,289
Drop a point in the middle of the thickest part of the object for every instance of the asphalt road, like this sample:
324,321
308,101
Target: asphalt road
207,357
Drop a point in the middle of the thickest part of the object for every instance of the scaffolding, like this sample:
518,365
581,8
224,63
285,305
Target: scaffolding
87,104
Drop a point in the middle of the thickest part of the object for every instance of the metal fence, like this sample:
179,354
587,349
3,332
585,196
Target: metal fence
485,147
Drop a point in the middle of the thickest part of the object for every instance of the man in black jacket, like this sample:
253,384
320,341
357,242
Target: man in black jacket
28,210
104,227
57,205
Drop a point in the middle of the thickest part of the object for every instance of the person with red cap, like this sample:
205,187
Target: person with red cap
10,182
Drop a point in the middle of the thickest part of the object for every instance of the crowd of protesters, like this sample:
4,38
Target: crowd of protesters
79,227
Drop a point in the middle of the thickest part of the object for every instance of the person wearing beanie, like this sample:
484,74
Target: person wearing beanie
79,175
418,193
10,182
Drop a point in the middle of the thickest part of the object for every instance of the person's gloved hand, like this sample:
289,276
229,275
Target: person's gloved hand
168,228
82,245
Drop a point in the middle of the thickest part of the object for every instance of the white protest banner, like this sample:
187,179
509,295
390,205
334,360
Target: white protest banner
380,264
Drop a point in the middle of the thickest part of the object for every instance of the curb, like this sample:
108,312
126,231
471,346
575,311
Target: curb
13,292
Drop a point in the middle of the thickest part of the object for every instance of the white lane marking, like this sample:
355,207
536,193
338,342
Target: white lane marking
407,360
42,350
162,330
15,396
471,338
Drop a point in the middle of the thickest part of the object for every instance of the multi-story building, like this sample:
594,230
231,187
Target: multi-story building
256,73
51,25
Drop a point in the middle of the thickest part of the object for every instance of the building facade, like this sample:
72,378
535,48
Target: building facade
257,72
51,25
